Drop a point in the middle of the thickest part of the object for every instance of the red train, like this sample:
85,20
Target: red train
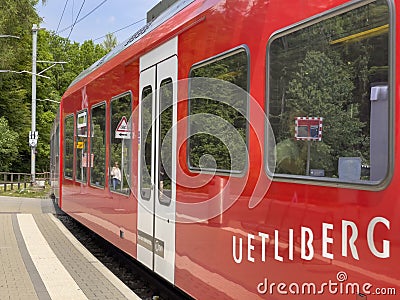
244,149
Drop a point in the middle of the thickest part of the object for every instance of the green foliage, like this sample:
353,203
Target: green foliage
109,42
69,146
217,114
8,145
99,153
120,107
98,145
326,70
17,18
322,87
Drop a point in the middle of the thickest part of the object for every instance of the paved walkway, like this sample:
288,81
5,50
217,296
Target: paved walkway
40,259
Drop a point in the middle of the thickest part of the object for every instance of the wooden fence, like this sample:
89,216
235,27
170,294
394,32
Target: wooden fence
11,180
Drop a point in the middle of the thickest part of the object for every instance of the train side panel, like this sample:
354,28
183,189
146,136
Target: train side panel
256,234
305,233
110,213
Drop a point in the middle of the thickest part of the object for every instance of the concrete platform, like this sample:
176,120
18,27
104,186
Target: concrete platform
40,259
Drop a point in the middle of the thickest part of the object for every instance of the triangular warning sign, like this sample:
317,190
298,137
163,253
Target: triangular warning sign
122,131
122,125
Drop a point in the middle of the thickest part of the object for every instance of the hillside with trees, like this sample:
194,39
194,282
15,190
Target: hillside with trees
16,19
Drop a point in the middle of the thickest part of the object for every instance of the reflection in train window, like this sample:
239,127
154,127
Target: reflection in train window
146,132
335,70
81,145
54,154
217,114
69,146
165,167
120,136
97,158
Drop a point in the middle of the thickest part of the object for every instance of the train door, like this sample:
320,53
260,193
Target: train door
157,160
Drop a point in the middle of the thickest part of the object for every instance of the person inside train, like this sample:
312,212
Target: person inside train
115,176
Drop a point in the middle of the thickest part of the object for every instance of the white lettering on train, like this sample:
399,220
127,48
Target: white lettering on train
307,243
353,238
286,250
326,239
370,238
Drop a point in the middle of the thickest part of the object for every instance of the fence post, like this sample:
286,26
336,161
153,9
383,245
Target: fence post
5,182
19,181
12,181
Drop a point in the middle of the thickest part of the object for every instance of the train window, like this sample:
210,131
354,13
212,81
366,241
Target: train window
328,98
146,132
69,146
97,159
121,108
166,119
218,103
54,155
81,151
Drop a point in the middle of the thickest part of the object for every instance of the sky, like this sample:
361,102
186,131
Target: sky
110,16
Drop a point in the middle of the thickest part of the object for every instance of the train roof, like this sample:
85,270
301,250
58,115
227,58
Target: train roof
149,27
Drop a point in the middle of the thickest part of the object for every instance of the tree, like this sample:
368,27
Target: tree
109,42
322,87
16,18
326,70
89,52
8,145
218,132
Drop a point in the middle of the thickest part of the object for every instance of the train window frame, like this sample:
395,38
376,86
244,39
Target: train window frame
90,152
233,173
85,149
65,148
383,182
110,160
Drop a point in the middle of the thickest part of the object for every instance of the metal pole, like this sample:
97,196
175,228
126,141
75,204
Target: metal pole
122,165
308,157
35,29
9,36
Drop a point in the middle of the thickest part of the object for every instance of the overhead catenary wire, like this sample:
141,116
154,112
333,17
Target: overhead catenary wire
77,16
134,23
62,15
84,17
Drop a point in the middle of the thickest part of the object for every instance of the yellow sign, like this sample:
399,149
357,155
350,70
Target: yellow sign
80,145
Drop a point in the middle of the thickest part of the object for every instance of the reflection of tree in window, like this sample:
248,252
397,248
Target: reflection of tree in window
81,136
326,70
97,145
222,101
120,107
145,141
165,167
69,146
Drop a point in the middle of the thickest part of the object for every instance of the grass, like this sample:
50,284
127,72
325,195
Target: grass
28,192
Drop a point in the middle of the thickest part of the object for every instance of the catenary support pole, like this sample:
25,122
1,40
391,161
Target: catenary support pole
35,30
